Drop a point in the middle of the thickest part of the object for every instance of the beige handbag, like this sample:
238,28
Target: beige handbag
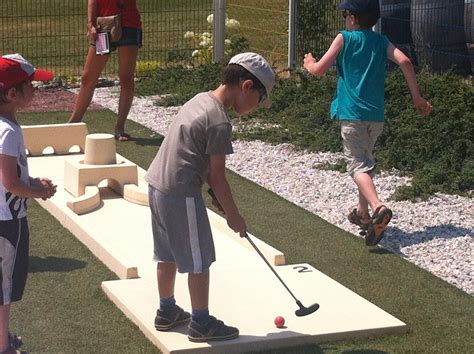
111,24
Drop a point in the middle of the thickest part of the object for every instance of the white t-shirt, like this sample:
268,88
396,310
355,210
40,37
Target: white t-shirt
12,144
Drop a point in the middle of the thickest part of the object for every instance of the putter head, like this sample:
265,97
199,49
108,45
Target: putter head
304,311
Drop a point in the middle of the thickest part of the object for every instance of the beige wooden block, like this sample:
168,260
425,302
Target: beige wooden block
78,175
90,200
137,194
100,150
59,137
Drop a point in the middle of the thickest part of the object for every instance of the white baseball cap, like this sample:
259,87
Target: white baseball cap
259,67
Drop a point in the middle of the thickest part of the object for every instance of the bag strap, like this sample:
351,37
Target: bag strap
120,5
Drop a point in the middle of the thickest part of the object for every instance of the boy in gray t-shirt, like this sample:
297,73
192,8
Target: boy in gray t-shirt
193,153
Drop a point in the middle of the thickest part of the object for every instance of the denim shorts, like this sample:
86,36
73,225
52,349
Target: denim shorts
358,140
130,36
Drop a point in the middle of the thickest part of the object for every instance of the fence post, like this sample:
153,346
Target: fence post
219,30
291,35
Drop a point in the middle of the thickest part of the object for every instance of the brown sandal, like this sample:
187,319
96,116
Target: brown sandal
377,226
358,220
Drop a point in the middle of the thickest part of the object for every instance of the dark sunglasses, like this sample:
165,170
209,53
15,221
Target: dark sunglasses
346,13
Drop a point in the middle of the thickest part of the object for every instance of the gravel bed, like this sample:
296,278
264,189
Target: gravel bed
436,235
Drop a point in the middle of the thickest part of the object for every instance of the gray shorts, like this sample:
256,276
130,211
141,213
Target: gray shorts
358,139
181,231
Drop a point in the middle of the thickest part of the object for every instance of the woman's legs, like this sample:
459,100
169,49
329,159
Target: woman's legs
92,68
127,63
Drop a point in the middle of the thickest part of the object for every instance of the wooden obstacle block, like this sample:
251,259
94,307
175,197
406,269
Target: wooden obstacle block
90,200
60,137
78,175
137,194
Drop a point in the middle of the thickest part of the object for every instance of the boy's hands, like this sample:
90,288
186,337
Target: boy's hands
215,202
309,60
422,106
46,188
237,223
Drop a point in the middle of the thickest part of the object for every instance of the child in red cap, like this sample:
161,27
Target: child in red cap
16,91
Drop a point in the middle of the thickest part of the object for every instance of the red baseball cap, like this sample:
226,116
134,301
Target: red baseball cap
15,69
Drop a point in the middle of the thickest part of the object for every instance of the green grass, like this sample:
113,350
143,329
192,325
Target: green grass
52,33
64,309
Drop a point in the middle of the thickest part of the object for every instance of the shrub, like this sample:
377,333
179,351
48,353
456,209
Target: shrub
234,42
437,150
180,83
147,67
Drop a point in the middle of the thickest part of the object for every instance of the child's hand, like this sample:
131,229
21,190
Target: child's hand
308,61
218,205
215,202
237,223
422,106
48,189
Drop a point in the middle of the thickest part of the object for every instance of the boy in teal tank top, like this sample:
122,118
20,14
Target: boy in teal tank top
360,56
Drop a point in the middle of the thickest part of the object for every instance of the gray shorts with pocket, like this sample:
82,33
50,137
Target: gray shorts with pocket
181,231
358,139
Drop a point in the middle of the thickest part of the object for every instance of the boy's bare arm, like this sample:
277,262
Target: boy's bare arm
218,182
319,68
43,188
398,57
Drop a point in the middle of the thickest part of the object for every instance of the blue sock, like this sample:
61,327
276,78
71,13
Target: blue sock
167,304
200,316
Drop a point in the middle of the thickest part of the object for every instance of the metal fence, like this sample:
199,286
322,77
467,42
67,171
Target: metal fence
51,33
437,34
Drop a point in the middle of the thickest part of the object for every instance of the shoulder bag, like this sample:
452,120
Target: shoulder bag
111,24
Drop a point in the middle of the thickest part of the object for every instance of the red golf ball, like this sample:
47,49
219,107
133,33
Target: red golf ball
279,321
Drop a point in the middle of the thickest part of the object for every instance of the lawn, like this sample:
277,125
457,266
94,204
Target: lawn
52,33
64,309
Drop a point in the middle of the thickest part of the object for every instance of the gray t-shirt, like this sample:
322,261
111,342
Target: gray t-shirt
200,129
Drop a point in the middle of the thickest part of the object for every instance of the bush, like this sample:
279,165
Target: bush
147,68
437,150
180,83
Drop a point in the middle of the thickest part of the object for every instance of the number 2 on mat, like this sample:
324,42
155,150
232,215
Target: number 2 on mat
302,269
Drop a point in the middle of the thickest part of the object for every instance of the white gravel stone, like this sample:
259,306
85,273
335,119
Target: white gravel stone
436,234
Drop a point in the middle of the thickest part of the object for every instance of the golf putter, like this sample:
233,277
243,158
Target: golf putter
303,310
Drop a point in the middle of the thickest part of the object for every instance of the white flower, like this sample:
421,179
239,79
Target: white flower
206,35
227,42
195,53
210,19
232,24
206,42
189,34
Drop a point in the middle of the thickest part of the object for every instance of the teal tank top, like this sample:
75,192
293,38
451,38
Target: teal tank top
361,77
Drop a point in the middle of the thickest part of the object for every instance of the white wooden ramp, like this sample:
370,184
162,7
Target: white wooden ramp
244,293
